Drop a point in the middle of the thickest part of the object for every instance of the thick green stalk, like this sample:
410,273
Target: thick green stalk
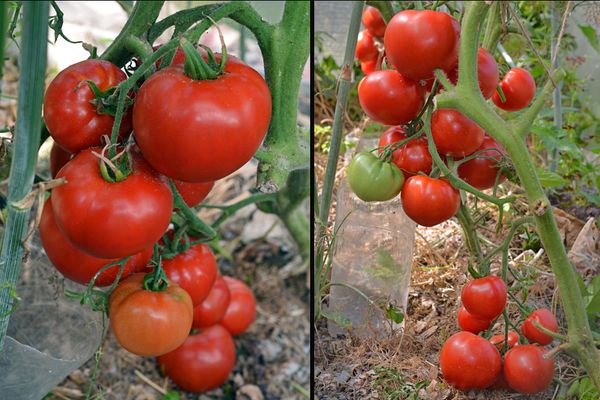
26,139
493,28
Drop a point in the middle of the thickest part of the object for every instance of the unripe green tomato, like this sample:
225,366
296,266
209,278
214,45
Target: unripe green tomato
372,179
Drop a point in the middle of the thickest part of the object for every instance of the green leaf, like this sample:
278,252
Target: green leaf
394,313
171,395
338,318
385,266
590,34
550,179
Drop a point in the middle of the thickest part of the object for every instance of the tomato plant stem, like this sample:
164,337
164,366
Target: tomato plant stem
469,232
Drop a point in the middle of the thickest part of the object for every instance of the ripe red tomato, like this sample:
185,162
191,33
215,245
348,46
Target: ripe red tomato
498,340
487,73
242,307
390,98
71,118
111,220
203,362
226,117
193,193
212,309
429,201
484,297
468,322
545,318
518,87
481,172
368,67
149,323
194,270
373,21
58,158
365,47
526,370
411,158
76,265
419,41
469,361
454,134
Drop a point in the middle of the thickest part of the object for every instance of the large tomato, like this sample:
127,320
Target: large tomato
365,47
518,87
242,307
468,322
373,179
390,98
487,73
111,220
193,193
469,361
200,131
526,370
194,270
481,172
58,158
499,340
454,134
149,323
373,21
212,309
545,318
419,41
411,158
71,118
203,362
76,265
429,201
484,297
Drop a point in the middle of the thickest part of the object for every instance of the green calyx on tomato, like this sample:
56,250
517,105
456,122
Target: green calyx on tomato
373,179
197,68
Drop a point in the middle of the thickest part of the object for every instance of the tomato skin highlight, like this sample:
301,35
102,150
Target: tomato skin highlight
545,318
76,265
454,134
526,370
390,98
213,308
70,118
203,362
365,47
58,158
498,340
429,201
468,322
411,158
373,21
242,307
484,297
468,361
373,179
419,41
111,220
518,87
149,323
226,117
481,172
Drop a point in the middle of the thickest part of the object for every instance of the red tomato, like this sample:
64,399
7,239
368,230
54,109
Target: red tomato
545,318
526,370
242,307
454,134
58,158
195,271
193,193
484,297
368,67
469,361
373,21
429,201
498,340
226,117
212,309
389,98
203,362
70,116
411,158
365,47
111,220
149,323
481,172
419,41
518,87
77,265
468,322
487,73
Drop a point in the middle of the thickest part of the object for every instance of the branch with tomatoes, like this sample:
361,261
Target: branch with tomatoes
453,142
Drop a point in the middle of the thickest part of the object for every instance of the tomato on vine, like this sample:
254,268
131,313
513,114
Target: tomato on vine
429,201
544,318
413,157
487,73
213,308
368,67
482,171
373,179
527,370
366,50
193,193
242,307
58,158
373,21
454,134
470,323
484,297
518,87
499,340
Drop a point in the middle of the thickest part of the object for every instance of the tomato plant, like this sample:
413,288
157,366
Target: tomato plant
484,297
213,308
429,201
468,322
373,179
241,309
373,21
413,157
546,319
455,134
526,370
518,87
366,50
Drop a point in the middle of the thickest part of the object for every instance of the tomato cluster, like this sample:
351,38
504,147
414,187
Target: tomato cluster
108,223
469,361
